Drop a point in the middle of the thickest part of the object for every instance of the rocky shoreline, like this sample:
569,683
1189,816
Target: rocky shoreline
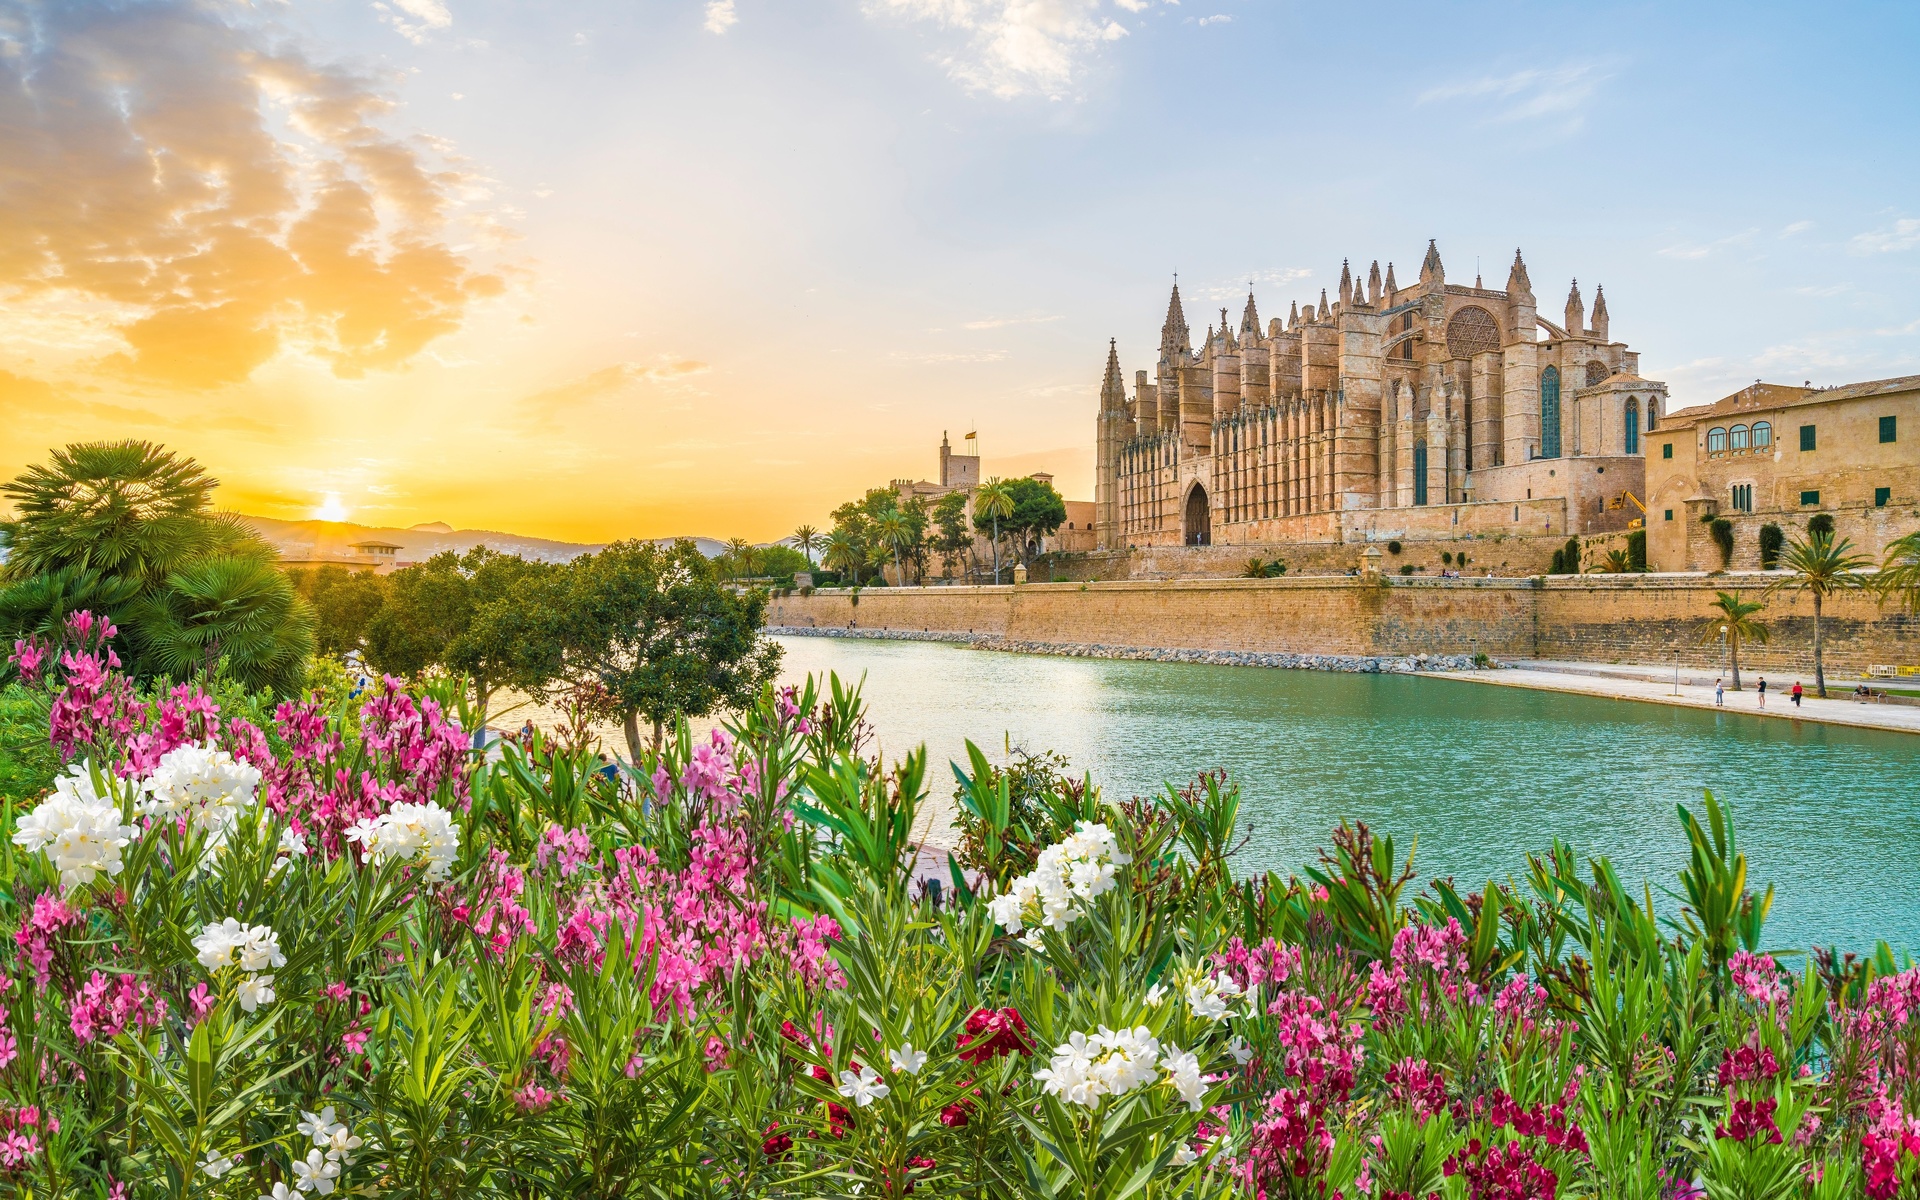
1364,664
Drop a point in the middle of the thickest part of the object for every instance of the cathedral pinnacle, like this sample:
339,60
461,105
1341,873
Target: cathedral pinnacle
1293,315
1174,338
1373,284
1346,284
1392,287
1113,390
1324,312
1576,311
1250,319
1517,282
1430,270
1600,313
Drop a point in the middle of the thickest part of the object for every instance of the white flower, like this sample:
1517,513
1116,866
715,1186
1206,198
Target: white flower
342,1144
410,833
251,947
907,1059
254,991
315,1173
862,1087
79,829
1242,1053
292,843
1067,875
1156,994
1085,1069
280,1192
203,784
319,1126
217,1164
1183,1072
1207,998
1183,1156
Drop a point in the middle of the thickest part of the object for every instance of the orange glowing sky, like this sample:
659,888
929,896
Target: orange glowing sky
649,267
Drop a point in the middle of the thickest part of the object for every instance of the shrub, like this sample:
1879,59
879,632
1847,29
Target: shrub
1446,557
1820,523
1771,542
1559,564
1572,556
1721,531
1393,547
1637,550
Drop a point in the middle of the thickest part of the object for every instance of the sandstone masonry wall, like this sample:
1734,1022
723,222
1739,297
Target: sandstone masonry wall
1640,619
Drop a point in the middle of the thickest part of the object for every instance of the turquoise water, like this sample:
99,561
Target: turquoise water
1480,774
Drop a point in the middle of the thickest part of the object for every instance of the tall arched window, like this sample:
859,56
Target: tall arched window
1762,435
1633,426
1653,412
1737,438
1420,472
1716,441
1550,413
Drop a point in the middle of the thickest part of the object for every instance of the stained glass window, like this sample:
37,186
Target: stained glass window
1550,413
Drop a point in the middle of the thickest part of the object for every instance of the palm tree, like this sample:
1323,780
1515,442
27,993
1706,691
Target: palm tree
737,552
843,554
233,606
1900,573
994,500
1817,565
1733,620
1256,568
804,539
1616,562
127,508
894,532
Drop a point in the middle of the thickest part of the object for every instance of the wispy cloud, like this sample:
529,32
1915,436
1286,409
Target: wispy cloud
720,16
1796,227
1013,48
939,356
1556,96
1693,250
1217,19
1268,281
607,382
1003,322
414,19
1903,234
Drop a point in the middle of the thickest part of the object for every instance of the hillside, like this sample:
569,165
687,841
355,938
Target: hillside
297,540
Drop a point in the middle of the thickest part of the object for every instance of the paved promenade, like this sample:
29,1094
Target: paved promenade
1655,685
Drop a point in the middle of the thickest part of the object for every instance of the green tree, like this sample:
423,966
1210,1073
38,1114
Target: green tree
781,562
1721,531
1899,577
1818,566
123,509
845,554
738,557
1733,620
652,626
894,535
1037,512
344,605
954,538
992,504
495,618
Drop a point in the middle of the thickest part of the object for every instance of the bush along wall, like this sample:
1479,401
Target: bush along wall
323,949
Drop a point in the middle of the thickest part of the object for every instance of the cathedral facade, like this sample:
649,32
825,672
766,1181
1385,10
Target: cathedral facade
1425,411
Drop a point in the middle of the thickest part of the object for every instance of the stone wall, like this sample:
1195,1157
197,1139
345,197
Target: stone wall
1635,619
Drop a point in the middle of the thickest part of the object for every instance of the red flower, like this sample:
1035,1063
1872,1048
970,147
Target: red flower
777,1143
957,1114
992,1033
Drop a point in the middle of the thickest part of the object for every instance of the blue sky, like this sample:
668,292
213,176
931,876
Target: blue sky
748,258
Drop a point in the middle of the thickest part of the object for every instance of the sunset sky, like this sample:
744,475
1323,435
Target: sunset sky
598,268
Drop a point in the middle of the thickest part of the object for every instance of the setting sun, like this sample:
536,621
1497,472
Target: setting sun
331,510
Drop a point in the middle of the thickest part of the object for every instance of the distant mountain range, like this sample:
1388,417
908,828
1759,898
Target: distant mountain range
334,540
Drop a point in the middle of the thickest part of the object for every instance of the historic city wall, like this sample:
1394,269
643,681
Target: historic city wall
1639,619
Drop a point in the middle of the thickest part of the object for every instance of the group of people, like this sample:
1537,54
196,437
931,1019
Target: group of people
1720,692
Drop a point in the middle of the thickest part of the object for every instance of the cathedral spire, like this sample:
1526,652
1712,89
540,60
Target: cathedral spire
1576,311
1324,312
1600,313
1174,338
1346,284
1373,284
1113,390
1392,287
1249,320
1430,270
1293,315
1517,282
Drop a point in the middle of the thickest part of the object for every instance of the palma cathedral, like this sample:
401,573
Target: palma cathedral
1428,411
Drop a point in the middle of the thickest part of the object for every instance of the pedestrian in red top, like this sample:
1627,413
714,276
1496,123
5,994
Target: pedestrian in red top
1796,693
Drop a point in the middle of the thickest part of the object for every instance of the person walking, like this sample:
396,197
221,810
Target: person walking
1796,693
1719,694
1763,691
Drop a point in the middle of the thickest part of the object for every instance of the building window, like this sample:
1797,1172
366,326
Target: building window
1633,426
1882,495
1743,497
1808,499
1420,472
1737,438
1550,413
1889,429
1762,435
1669,514
1716,441
1806,437
1666,450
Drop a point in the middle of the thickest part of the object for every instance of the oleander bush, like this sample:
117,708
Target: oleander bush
317,948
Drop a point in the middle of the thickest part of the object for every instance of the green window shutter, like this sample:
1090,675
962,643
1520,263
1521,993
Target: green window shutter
1666,450
1889,429
1809,498
1882,495
1806,437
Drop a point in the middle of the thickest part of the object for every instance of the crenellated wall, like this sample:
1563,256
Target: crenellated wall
1635,619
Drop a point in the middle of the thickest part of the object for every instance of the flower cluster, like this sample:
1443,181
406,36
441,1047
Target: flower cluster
252,948
1067,875
202,785
333,1146
78,828
1086,1069
423,834
991,1033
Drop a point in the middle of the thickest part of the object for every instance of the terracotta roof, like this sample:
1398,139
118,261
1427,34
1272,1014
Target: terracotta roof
376,546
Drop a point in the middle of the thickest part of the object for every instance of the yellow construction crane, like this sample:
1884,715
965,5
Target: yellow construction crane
1621,501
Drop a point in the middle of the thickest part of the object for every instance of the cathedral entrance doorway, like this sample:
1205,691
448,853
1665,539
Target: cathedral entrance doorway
1199,518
